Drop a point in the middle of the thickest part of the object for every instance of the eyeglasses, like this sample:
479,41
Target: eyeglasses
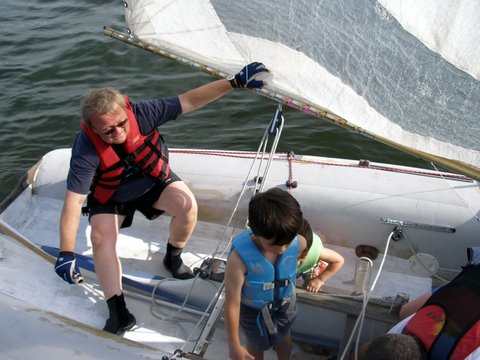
121,124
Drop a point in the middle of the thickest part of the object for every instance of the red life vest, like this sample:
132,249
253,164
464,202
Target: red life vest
148,152
448,325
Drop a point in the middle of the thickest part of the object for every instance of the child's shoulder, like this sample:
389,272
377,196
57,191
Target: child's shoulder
302,243
235,260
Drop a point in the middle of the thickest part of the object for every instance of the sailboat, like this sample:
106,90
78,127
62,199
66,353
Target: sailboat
402,230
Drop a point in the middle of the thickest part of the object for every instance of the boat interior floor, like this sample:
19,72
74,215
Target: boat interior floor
141,249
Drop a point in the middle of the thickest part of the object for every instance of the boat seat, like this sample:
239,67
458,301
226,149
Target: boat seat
49,179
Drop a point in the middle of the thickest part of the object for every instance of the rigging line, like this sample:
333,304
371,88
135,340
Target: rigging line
347,163
211,304
259,154
274,126
458,195
218,300
368,294
290,182
260,150
365,301
179,308
230,219
360,317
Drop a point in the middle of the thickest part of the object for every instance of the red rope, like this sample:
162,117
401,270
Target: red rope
291,185
282,156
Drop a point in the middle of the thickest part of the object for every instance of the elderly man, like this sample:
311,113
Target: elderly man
120,164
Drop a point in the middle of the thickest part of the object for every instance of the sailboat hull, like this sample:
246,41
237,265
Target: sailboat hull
347,202
350,204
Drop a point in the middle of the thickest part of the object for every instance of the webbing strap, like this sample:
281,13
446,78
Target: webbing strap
293,301
267,317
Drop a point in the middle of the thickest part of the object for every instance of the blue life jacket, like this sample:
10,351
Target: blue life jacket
266,284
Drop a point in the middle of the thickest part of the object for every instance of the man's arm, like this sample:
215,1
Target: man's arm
196,98
249,77
70,220
66,266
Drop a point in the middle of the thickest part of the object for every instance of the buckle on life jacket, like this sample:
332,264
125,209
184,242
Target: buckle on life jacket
86,208
276,304
270,308
272,285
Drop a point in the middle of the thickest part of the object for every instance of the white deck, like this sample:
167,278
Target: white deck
44,317
142,247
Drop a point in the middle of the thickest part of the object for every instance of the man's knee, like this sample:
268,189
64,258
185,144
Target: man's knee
192,211
100,239
102,235
180,201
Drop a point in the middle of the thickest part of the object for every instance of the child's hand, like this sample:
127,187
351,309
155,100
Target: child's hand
314,284
240,353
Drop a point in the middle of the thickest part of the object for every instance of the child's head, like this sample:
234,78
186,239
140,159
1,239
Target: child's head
276,215
307,232
395,346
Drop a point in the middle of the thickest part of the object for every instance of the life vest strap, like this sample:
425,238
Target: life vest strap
267,318
146,164
443,346
115,166
272,285
106,186
275,305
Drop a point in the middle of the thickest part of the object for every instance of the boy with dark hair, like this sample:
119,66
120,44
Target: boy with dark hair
260,277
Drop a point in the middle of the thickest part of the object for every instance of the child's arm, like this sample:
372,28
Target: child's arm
335,262
234,278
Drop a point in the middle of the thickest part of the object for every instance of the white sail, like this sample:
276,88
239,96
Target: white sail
450,28
350,58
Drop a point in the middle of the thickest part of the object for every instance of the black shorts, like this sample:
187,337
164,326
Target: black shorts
144,203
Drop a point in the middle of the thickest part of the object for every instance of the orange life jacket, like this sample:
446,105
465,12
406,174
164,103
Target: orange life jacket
148,152
448,325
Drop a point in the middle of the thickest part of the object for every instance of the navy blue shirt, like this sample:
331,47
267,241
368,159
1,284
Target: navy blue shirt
84,161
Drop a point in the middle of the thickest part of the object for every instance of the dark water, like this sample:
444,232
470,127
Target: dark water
52,52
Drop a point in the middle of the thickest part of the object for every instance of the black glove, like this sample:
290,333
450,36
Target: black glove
247,77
